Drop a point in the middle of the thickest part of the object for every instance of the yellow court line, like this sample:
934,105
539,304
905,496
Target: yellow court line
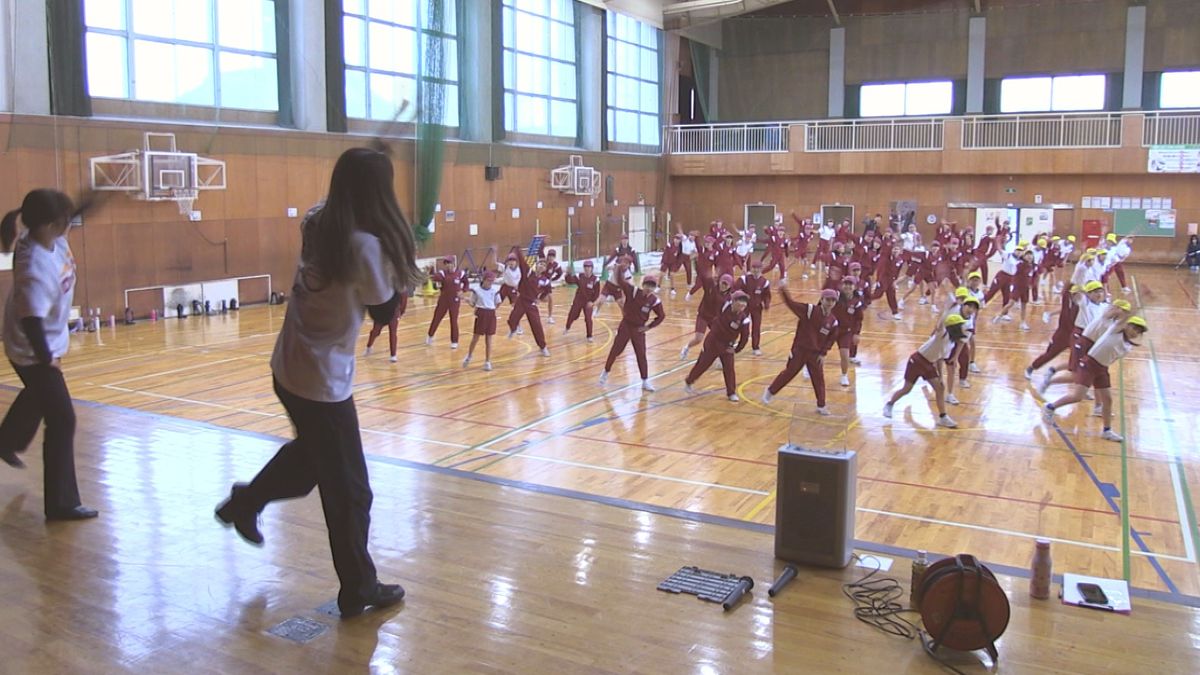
761,505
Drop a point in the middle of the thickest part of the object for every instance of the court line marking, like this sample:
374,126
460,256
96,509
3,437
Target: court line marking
1126,530
761,505
1023,535
1183,501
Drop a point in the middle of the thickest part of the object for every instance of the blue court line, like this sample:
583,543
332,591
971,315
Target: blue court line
1109,492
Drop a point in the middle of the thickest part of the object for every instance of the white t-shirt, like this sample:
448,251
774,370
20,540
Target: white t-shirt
314,355
1009,266
511,276
486,298
1110,347
1088,311
937,348
689,246
43,286
826,232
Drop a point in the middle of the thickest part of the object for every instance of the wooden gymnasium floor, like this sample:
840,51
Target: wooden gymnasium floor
545,425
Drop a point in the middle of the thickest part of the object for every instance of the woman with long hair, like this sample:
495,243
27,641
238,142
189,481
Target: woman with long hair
358,253
35,340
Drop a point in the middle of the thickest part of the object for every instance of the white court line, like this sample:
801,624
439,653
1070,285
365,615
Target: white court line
406,437
1023,535
179,370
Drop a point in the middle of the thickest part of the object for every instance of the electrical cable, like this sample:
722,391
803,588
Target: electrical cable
877,603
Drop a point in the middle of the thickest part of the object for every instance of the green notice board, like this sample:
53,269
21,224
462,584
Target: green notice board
1144,222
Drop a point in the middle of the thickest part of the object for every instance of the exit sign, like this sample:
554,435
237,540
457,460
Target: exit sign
1010,190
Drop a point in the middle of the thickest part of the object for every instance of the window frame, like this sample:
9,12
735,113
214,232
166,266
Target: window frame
550,60
610,71
904,111
130,37
1161,89
1050,109
415,77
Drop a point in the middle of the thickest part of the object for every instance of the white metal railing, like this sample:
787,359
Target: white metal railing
1171,127
1058,130
906,133
725,138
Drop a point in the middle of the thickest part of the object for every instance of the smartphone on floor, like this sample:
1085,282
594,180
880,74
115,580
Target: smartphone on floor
1092,594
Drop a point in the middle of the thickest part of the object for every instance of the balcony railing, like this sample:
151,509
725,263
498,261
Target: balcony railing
873,134
1175,127
726,138
1070,130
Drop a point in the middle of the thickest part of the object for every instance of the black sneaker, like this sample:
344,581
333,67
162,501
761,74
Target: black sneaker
382,595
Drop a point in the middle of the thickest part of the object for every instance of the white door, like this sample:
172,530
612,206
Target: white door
640,220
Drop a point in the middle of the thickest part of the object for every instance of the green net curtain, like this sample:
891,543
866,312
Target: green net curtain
431,103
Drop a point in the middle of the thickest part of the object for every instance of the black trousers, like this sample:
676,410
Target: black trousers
45,399
327,454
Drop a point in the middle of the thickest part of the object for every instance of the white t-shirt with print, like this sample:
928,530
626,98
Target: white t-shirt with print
43,286
314,355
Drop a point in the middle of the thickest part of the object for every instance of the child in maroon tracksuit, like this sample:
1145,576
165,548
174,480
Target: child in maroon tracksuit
816,331
587,292
635,322
452,284
727,336
526,302
758,288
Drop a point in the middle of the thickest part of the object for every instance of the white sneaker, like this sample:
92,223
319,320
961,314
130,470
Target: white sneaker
855,360
1024,326
998,318
757,352
923,301
1006,318
683,354
897,317
974,368
595,312
646,386
550,320
804,373
1110,435
823,411
945,421
366,352
1126,290
672,292
545,351
1097,411
887,410
689,389
591,339
487,365
466,362
804,276
900,304
845,381
733,398
565,331
687,297
964,384
392,358
428,339
767,397
933,308
951,399
1029,373
520,330
511,333
1045,383
453,345
604,378
1045,317
1089,395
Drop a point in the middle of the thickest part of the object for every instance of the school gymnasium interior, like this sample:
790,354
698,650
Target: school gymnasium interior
531,512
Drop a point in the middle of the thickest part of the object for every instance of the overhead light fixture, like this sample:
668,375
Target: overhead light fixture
697,5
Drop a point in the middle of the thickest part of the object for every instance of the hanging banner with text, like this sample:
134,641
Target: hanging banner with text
1173,159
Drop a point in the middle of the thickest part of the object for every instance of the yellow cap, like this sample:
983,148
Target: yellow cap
971,301
1112,236
975,275
954,320
1075,288
1055,238
1023,243
1101,252
1139,321
1123,304
1071,237
1092,285
962,292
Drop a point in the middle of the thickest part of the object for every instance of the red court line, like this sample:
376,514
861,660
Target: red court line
1187,292
506,392
968,493
444,416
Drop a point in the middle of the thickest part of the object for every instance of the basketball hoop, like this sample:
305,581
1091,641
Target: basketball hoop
184,198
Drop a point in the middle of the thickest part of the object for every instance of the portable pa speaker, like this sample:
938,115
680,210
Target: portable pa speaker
814,506
491,173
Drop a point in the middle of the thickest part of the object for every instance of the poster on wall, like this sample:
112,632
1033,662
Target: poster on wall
1087,203
1173,159
1034,223
1162,219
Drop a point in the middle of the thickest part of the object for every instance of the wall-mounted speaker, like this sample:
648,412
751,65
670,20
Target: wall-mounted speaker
814,506
610,192
491,173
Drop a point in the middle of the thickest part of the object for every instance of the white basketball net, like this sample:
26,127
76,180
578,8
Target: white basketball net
184,198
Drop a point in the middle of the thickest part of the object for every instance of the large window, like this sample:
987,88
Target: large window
199,52
382,60
1180,90
632,81
1061,93
901,99
540,90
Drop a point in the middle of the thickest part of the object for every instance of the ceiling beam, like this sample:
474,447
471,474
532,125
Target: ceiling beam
833,10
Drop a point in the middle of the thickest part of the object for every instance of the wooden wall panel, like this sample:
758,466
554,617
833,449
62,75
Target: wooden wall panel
245,229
